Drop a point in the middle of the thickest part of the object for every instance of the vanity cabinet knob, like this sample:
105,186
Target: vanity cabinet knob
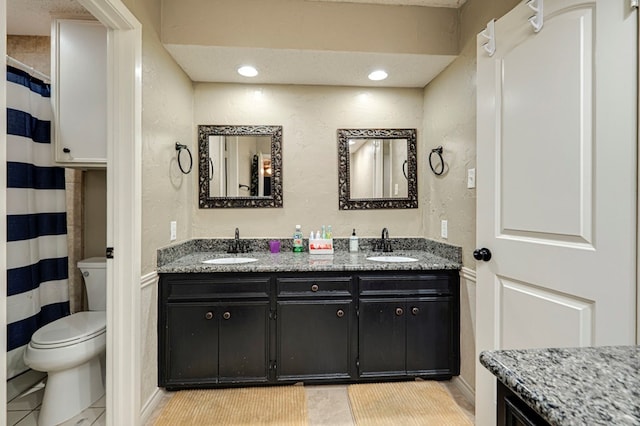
415,311
340,313
226,315
399,311
208,315
314,287
66,150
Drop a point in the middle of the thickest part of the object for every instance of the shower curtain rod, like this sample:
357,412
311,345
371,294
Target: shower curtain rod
24,67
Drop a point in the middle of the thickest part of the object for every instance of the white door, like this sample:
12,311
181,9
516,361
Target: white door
556,207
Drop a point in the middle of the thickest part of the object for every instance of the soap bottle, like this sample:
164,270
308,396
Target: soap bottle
353,242
298,247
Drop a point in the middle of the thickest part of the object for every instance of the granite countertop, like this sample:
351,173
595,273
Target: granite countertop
574,386
187,258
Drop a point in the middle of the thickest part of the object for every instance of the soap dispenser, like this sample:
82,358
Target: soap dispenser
353,242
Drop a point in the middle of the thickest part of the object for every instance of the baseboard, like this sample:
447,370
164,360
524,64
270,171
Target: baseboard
465,389
149,407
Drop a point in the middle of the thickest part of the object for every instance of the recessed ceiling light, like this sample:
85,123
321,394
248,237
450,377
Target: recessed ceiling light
247,71
378,75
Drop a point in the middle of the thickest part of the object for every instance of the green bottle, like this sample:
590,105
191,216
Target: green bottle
298,246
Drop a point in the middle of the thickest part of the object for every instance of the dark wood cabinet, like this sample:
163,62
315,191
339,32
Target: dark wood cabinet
211,335
513,411
192,326
228,329
409,326
315,325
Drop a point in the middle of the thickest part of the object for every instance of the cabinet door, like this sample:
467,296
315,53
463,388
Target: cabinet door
382,337
243,348
192,346
79,92
314,339
429,336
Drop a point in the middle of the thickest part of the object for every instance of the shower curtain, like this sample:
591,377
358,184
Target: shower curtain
37,270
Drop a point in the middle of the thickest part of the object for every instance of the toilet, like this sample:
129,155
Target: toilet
71,350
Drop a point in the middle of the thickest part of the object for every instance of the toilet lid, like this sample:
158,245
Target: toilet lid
70,330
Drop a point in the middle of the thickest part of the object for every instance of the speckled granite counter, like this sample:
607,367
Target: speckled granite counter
578,386
187,257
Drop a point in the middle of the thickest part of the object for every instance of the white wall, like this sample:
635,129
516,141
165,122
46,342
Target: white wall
310,116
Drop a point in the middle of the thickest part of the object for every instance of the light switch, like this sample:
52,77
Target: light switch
471,178
443,229
174,232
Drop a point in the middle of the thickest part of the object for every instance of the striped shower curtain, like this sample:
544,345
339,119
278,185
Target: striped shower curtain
37,271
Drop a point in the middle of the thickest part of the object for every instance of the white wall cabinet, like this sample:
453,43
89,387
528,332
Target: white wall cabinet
79,92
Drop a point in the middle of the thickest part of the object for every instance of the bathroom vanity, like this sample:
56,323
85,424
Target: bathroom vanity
292,317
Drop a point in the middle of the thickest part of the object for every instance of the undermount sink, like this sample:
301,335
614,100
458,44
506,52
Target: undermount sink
396,259
230,260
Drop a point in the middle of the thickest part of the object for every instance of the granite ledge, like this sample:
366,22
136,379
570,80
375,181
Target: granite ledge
187,256
573,386
304,262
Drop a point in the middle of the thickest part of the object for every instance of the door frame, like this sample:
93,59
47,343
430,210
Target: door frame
638,200
124,210
124,147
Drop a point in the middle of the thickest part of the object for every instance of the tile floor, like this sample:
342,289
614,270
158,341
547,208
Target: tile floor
24,409
326,404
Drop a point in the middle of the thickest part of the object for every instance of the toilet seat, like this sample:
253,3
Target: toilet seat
70,330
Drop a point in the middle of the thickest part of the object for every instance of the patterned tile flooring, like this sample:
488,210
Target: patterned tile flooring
24,410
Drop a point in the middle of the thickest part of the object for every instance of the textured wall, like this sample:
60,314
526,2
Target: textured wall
450,121
310,116
167,195
167,113
94,218
34,51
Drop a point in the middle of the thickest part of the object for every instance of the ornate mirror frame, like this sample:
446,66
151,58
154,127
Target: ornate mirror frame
208,202
345,201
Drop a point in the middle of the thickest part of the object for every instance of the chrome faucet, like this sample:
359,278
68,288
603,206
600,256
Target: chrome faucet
384,244
237,246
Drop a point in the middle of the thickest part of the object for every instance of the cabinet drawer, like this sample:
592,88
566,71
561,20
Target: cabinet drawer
198,289
312,287
405,285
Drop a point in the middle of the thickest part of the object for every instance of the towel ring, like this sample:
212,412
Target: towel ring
179,148
438,152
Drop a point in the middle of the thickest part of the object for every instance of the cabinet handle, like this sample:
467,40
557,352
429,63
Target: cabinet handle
208,315
340,313
415,311
226,315
66,150
399,311
314,287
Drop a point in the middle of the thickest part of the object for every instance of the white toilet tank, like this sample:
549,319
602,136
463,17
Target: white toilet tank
94,272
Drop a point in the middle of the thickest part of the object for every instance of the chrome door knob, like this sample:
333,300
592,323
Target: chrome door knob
482,254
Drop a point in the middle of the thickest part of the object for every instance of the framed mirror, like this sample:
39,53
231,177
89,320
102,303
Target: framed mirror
239,166
377,169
